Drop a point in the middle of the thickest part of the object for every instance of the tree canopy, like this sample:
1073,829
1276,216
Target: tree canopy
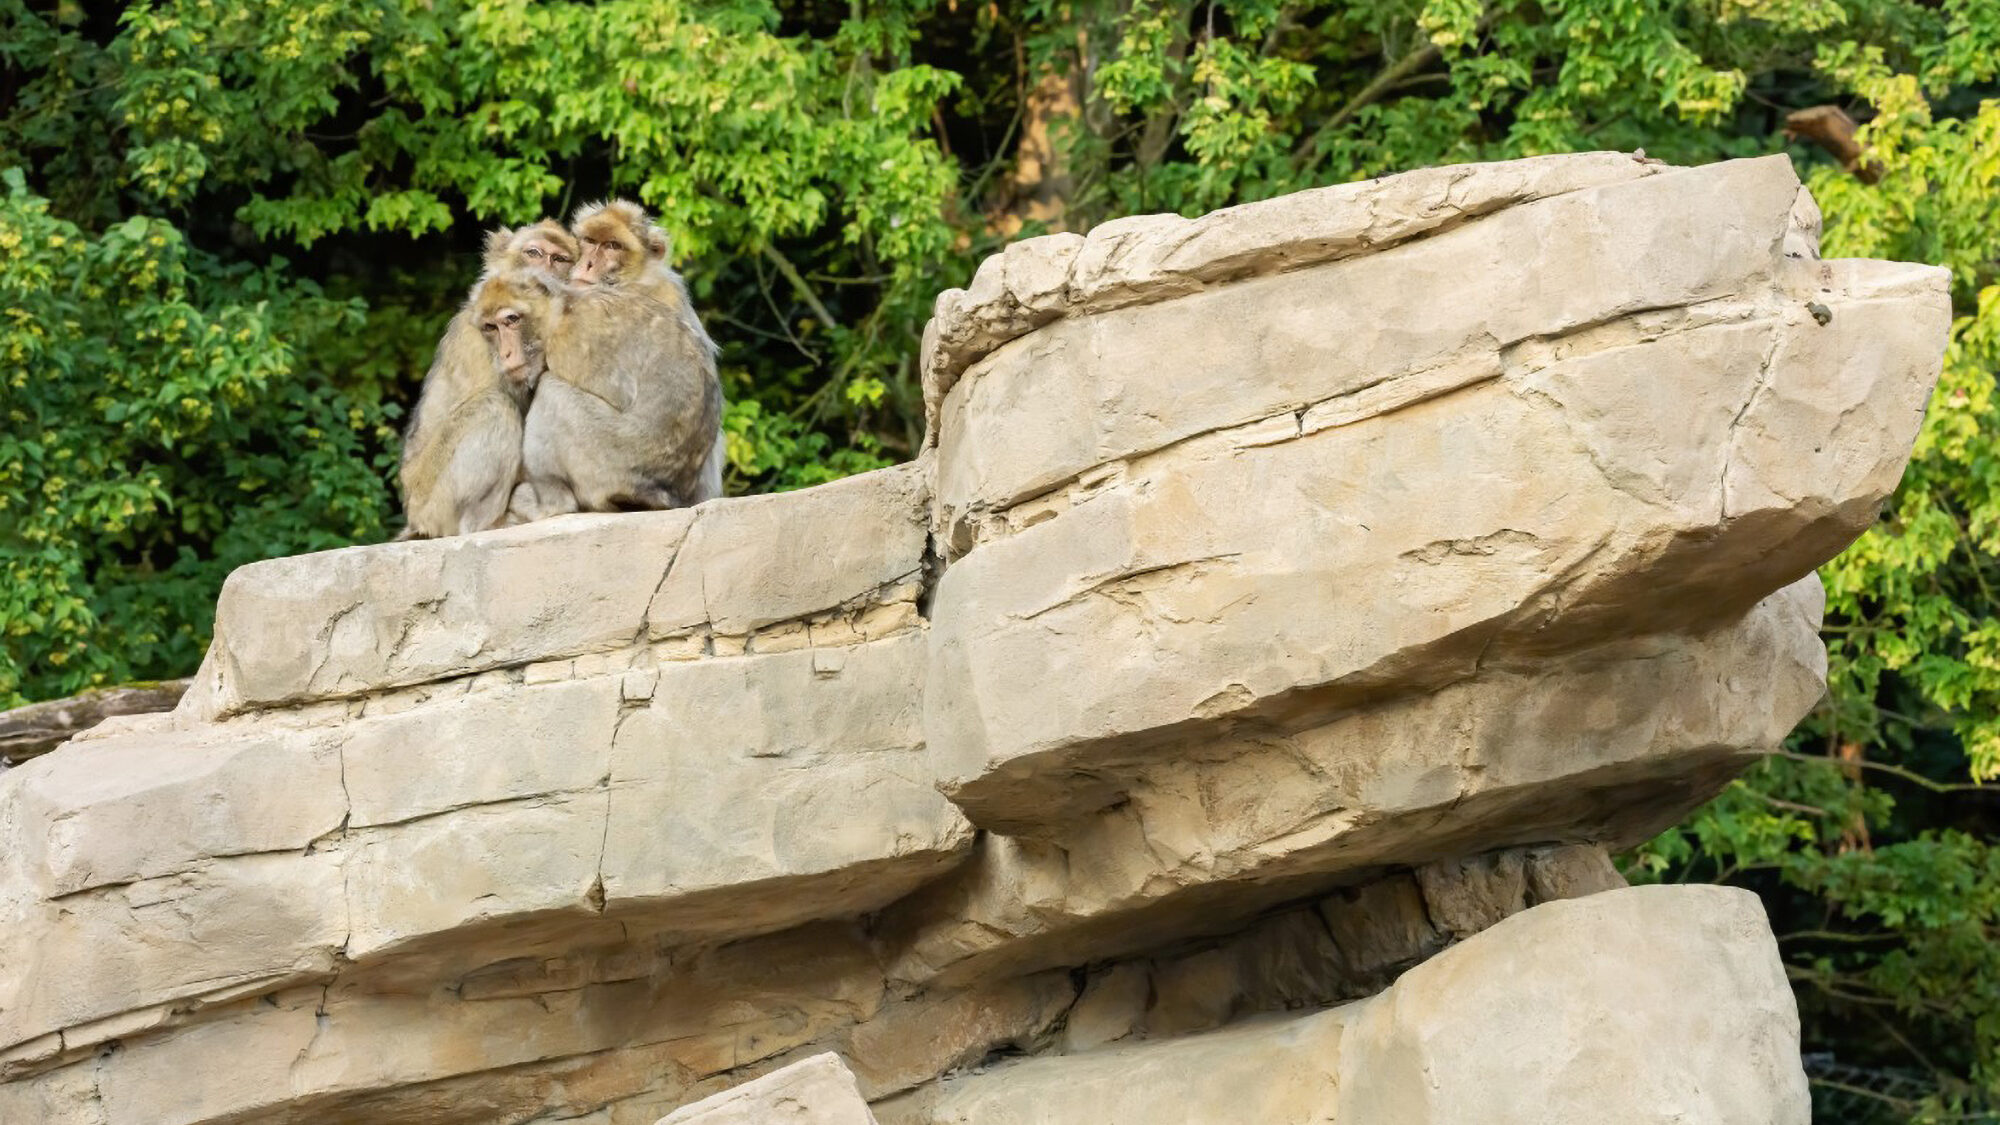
231,231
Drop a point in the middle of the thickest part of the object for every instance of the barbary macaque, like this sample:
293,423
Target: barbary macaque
620,248
626,404
462,451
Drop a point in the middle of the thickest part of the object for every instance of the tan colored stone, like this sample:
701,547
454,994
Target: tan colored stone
1271,1072
1112,1007
912,1041
814,1091
760,791
1467,895
1614,743
1145,259
1218,584
1115,385
417,882
360,619
1571,871
1381,928
1648,1006
1644,1005
155,803
254,922
532,742
346,1053
757,560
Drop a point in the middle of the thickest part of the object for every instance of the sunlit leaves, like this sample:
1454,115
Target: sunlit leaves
158,432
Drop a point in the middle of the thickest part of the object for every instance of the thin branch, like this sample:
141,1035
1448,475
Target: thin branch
791,274
1829,127
1862,1091
1789,806
784,322
1910,776
1835,935
1924,1061
1383,84
1404,67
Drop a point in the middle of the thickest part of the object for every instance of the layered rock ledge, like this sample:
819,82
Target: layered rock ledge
1226,718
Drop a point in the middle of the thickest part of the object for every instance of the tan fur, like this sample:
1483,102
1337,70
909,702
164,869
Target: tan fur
462,450
624,415
623,251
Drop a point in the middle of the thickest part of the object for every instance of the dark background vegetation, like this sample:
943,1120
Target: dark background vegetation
231,230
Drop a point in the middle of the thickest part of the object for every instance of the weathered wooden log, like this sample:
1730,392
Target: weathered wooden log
26,732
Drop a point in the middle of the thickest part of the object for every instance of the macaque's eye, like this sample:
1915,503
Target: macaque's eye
586,242
534,251
565,259
489,328
512,319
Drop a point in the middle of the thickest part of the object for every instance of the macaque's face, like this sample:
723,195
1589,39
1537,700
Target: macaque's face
512,336
541,252
608,254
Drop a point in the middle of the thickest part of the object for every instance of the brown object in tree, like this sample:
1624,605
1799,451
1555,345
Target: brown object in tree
1853,834
1829,127
26,732
1041,183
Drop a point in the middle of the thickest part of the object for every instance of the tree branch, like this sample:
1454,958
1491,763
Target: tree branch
41,727
791,274
1910,776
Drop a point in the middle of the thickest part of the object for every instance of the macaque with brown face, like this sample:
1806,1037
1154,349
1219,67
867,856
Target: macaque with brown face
626,404
462,451
621,249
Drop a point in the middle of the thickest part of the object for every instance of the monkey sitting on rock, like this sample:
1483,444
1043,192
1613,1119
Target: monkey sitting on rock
594,387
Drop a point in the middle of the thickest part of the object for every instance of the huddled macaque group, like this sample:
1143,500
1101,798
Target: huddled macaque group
576,378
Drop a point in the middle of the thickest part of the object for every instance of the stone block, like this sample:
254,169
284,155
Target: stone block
814,1091
1645,1006
154,803
1610,744
1144,259
755,560
1648,1005
226,928
1095,389
419,883
532,742
759,791
342,623
1220,583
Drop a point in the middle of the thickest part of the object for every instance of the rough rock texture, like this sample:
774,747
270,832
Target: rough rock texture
1635,444
1224,720
1647,1006
815,1091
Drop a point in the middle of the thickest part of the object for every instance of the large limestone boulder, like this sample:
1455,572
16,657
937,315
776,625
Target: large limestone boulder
1650,1006
1645,1006
1225,718
1577,419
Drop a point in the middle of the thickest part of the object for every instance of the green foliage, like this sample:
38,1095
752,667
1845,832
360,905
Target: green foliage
160,430
236,227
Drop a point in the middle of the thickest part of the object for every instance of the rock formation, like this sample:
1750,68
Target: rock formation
1224,720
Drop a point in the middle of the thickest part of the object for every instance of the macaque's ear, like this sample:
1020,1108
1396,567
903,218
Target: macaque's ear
657,244
496,242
